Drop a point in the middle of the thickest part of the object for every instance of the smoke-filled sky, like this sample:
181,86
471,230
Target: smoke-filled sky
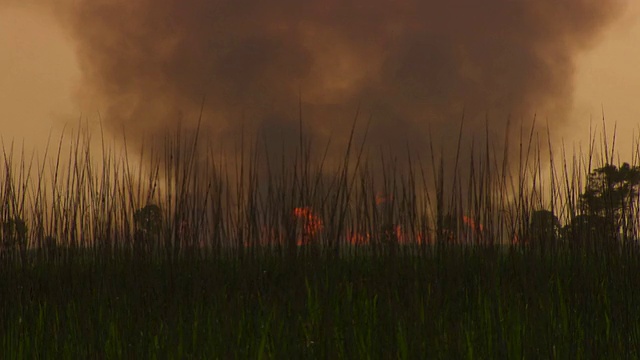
412,66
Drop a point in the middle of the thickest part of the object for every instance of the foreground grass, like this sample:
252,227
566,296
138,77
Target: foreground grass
443,303
191,258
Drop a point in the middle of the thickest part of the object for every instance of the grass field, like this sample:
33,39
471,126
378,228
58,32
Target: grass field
191,258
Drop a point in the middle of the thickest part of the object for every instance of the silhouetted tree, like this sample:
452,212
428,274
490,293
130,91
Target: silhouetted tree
609,200
586,230
544,229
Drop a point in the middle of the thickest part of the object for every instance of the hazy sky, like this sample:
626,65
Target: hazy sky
42,85
39,74
608,77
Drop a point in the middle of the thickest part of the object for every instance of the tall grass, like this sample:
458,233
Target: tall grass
183,252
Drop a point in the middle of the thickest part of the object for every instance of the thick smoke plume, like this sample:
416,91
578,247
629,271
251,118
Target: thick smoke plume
413,66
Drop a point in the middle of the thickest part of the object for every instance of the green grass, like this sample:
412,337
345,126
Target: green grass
222,267
454,303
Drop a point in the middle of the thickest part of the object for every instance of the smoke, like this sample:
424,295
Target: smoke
414,67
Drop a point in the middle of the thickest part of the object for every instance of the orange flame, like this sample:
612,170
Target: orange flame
450,234
398,234
422,238
476,228
381,199
311,224
357,239
516,240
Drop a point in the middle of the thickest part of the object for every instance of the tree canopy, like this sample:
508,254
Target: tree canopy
608,201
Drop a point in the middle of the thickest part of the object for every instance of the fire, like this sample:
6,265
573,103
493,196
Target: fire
311,224
381,199
397,233
422,238
463,231
477,229
516,240
405,239
357,239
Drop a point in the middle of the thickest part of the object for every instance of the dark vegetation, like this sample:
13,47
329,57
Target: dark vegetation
186,258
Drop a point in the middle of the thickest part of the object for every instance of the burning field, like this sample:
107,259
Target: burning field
307,265
322,179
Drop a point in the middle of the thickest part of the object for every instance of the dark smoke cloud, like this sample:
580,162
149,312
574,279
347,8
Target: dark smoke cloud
414,66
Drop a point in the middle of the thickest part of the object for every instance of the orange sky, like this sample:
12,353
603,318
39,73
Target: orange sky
39,78
608,77
38,75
